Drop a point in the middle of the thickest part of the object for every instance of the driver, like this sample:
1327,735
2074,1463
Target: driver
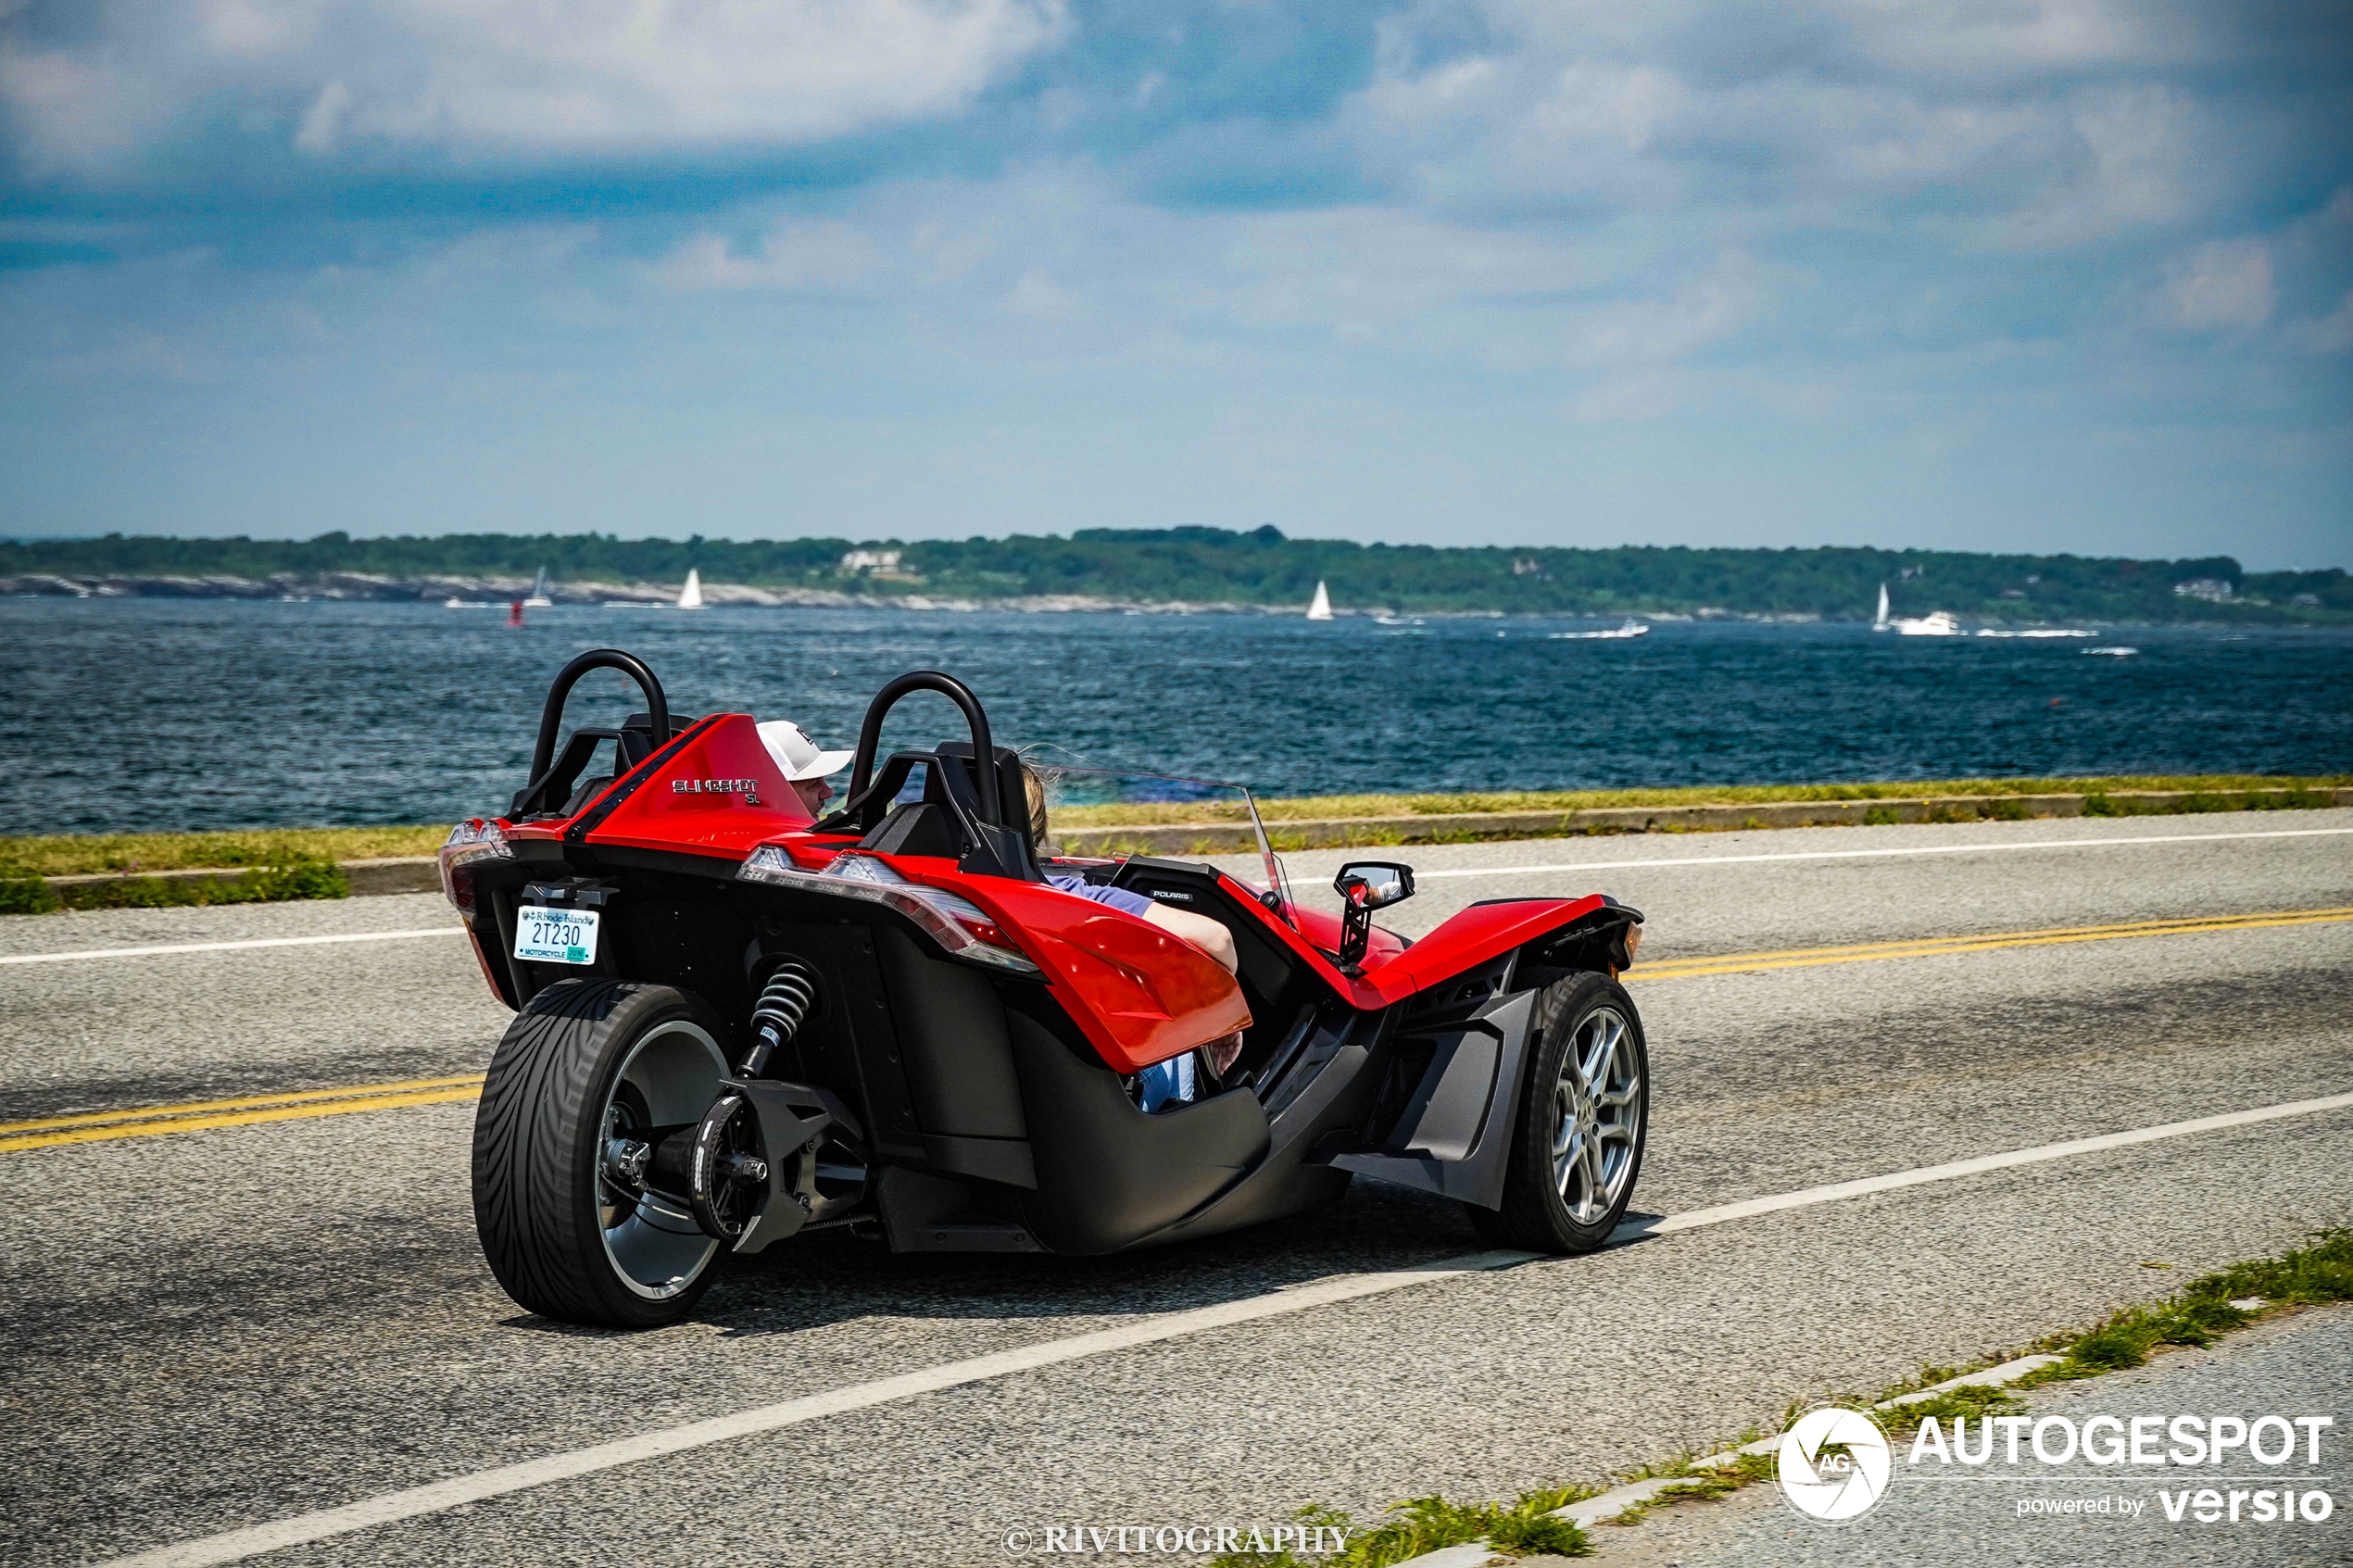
805,764
1175,1080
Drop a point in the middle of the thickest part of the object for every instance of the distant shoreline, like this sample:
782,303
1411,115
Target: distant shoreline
1195,570
499,592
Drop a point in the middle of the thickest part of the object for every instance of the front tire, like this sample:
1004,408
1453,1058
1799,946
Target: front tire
1584,1113
584,1063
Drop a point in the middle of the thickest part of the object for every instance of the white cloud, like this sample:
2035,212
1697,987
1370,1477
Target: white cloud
827,255
258,29
516,77
2332,334
1060,243
322,122
70,113
2045,124
2223,285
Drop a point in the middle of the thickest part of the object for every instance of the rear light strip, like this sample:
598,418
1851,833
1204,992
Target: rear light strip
469,841
961,928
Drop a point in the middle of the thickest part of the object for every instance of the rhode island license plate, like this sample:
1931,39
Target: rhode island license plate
556,936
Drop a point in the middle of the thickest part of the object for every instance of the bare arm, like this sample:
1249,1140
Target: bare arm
1200,930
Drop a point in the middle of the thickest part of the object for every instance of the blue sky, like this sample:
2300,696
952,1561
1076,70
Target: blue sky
2070,275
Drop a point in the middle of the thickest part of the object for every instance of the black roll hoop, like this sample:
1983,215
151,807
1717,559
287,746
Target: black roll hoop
861,769
551,716
996,844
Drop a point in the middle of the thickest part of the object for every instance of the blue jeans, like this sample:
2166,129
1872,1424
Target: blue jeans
1165,1082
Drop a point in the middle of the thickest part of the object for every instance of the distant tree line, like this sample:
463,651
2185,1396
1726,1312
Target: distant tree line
1263,567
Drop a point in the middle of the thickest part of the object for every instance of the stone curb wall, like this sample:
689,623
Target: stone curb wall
406,873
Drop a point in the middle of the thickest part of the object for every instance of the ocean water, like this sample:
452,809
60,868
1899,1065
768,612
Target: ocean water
159,714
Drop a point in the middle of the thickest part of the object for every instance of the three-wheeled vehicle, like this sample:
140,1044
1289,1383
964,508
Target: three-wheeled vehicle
734,1022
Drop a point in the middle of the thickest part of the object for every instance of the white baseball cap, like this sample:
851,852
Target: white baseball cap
798,755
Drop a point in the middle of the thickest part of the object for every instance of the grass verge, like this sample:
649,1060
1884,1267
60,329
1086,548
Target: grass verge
1523,1527
2222,787
2197,1314
288,876
78,855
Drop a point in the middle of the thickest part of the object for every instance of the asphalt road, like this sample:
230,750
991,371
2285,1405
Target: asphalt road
210,1330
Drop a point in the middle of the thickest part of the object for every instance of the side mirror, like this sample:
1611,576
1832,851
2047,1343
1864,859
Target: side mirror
1374,884
1364,887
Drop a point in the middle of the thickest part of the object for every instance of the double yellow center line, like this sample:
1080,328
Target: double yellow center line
102,1126
1932,946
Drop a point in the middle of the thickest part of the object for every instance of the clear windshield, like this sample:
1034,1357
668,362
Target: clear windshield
1080,798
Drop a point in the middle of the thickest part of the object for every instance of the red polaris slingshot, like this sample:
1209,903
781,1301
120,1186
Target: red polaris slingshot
734,1023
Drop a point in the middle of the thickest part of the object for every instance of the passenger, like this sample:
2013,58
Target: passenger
804,763
1176,1081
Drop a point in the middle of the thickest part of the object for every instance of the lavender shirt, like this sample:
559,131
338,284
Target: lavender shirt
1119,898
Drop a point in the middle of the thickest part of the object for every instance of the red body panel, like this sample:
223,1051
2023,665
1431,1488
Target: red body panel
1473,936
1393,972
1140,995
697,822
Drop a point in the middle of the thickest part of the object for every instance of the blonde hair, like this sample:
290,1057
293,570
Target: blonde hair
1034,788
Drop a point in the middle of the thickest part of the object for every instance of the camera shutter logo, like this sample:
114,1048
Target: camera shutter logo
1834,1464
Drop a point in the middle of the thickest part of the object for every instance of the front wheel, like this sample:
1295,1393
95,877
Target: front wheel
590,1074
1584,1110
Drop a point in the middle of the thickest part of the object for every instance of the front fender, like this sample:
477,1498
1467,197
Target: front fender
1486,931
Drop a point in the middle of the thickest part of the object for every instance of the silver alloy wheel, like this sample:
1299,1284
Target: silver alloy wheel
1597,1117
670,1077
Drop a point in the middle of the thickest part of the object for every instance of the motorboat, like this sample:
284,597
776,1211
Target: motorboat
2038,632
1935,623
1630,628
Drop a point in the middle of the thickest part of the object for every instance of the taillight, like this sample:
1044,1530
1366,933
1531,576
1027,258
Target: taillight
469,841
963,929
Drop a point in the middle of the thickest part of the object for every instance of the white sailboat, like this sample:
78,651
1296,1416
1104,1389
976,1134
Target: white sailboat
690,597
1880,621
537,599
1320,606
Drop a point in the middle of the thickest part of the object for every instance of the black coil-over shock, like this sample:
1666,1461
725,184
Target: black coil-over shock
787,999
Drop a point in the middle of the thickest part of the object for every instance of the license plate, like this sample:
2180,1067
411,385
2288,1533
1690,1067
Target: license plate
556,936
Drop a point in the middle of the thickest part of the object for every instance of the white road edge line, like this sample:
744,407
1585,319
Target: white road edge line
1807,1197
1878,854
233,947
236,1545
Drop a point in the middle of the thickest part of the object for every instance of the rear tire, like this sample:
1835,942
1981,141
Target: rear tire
1584,1113
584,1062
